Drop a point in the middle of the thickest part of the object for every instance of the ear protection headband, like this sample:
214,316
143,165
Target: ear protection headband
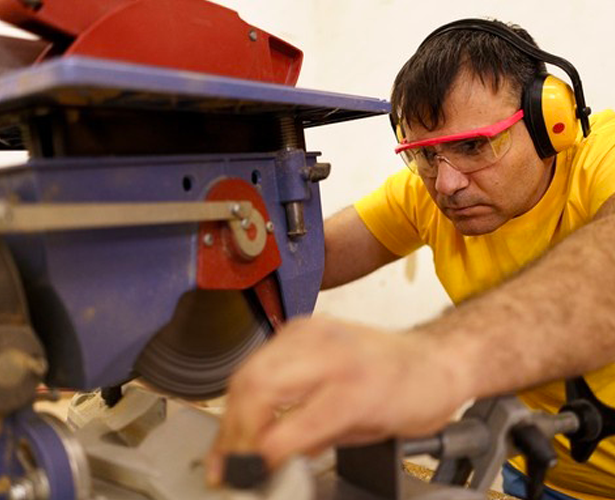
552,112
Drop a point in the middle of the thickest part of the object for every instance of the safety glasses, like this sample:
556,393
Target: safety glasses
467,152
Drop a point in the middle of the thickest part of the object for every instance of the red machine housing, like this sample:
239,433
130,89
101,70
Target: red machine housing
193,35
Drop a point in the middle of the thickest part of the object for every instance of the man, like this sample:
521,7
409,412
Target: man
495,213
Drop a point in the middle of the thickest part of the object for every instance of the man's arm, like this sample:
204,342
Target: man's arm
348,383
351,250
554,320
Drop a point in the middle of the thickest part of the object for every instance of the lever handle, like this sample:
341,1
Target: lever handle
597,420
539,454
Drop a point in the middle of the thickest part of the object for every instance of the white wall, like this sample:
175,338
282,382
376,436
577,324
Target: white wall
13,157
356,47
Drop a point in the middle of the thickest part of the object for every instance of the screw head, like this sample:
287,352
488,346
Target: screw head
208,239
269,226
253,35
235,208
245,223
33,4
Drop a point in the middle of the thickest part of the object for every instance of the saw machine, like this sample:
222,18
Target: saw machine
167,220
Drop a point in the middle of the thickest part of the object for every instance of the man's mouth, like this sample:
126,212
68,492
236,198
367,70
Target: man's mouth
467,211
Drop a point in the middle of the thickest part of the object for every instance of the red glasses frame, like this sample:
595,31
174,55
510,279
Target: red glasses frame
488,131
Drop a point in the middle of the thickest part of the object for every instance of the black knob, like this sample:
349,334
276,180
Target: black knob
244,471
596,420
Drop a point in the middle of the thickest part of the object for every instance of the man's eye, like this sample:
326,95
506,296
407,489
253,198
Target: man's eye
471,146
428,153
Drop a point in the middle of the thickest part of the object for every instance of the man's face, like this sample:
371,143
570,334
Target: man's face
482,201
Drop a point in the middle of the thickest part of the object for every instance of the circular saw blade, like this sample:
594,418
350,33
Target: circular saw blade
211,332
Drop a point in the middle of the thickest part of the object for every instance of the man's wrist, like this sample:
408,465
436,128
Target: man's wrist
451,362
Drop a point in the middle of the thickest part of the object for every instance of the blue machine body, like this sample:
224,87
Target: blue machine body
97,297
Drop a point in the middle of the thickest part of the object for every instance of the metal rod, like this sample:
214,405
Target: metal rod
37,217
562,423
428,446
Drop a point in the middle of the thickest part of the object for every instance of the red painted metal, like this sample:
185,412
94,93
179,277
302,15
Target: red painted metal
193,35
221,266
57,18
268,292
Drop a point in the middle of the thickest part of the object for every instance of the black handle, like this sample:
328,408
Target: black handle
539,454
596,420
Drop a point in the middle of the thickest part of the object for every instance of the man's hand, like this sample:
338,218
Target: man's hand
322,382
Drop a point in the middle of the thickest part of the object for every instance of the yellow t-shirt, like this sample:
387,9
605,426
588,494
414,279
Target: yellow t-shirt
403,217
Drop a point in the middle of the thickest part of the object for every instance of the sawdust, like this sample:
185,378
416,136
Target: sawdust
425,474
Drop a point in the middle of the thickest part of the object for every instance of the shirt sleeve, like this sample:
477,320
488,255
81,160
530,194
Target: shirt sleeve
390,213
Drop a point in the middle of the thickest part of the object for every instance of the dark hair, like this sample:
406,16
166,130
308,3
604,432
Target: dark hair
422,85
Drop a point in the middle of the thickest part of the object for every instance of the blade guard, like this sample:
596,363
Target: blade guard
192,35
222,266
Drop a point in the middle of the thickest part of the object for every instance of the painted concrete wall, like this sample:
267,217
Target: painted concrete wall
356,47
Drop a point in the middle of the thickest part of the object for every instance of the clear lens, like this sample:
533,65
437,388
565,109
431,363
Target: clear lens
501,143
409,160
466,156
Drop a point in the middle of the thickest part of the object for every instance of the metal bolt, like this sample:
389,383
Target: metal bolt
319,172
20,492
235,208
33,4
289,133
245,223
295,220
253,35
208,239
34,486
269,226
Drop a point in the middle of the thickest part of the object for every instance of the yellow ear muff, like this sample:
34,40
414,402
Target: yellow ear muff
553,126
559,113
550,114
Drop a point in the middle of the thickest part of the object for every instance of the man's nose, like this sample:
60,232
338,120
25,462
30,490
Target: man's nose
449,180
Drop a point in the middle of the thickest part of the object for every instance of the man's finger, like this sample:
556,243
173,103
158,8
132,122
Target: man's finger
310,427
253,402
